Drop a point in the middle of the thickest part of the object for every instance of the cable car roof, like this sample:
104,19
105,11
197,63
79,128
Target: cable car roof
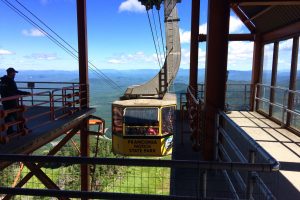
169,99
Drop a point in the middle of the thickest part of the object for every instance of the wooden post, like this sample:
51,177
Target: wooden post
216,69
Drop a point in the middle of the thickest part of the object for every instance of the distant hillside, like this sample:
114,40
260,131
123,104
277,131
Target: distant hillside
102,95
125,78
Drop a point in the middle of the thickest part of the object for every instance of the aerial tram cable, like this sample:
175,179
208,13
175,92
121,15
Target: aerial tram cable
117,86
153,38
54,40
157,39
145,114
99,73
36,17
40,28
161,34
105,76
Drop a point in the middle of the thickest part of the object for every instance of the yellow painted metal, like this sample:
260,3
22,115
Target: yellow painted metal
143,146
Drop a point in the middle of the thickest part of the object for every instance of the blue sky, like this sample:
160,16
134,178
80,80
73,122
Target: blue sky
119,36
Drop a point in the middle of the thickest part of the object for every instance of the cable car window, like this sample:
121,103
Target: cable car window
117,119
141,116
141,121
168,120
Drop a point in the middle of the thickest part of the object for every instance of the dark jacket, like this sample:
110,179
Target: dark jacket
8,88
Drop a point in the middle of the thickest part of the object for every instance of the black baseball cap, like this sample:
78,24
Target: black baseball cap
9,70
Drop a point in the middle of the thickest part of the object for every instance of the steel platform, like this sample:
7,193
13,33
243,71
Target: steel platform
282,144
45,133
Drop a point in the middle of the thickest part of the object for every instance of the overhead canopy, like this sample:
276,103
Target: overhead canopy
267,17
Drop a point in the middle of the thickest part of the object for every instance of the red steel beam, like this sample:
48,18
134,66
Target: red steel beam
256,68
274,76
84,149
282,33
216,69
51,152
293,78
265,2
82,49
244,18
83,79
43,177
194,46
231,37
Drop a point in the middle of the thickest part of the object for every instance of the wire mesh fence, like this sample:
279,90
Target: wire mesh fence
162,178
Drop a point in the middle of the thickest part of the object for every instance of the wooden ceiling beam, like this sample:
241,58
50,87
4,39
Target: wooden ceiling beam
282,33
243,17
264,2
260,13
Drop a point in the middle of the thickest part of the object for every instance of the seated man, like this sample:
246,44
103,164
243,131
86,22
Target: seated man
8,88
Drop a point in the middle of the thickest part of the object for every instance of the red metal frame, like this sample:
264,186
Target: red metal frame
243,18
256,68
194,45
50,153
216,69
293,77
282,33
274,75
231,37
83,79
69,102
264,2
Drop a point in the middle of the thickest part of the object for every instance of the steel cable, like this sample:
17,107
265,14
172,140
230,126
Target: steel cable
153,39
54,40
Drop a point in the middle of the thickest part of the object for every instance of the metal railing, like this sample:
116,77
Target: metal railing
120,186
237,98
280,107
195,115
41,107
235,145
237,95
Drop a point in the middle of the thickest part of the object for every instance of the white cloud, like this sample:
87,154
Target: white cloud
6,52
185,36
43,56
137,60
185,58
240,55
286,45
132,6
33,33
114,61
203,28
235,25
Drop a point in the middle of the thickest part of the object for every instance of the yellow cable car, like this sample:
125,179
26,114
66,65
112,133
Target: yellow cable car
143,122
143,127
